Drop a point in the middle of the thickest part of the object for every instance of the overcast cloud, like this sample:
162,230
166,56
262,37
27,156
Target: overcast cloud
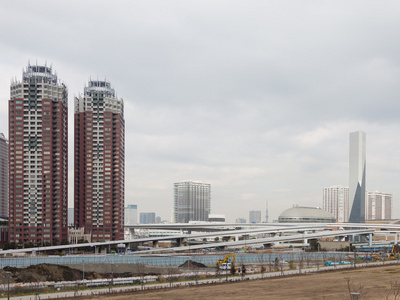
255,97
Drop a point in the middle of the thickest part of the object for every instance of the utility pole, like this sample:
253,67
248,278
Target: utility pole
8,289
83,272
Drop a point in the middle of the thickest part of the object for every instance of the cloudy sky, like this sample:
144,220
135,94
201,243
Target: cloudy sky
255,97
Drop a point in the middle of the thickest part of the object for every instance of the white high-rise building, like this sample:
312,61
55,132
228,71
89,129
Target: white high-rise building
255,216
357,176
378,206
3,177
131,214
336,201
192,201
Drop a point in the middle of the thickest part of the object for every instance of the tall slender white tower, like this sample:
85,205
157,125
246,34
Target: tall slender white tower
357,175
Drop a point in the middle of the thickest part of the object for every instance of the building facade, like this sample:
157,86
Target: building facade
38,158
336,201
192,200
131,214
99,150
378,206
3,177
147,218
357,176
255,216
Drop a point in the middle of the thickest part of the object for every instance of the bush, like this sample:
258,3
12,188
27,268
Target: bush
292,265
233,269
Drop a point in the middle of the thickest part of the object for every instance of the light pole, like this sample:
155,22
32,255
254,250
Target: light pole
83,272
8,289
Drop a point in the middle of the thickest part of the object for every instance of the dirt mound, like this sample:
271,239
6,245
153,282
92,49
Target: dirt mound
194,264
46,272
49,272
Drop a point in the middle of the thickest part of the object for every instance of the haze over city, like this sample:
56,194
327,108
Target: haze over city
256,98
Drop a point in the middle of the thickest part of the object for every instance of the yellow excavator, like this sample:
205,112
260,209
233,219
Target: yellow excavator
395,252
227,262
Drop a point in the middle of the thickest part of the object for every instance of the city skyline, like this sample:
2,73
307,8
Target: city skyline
255,98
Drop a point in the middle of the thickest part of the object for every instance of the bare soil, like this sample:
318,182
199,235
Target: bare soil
373,283
49,272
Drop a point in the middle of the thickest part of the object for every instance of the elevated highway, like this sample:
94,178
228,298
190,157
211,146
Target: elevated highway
304,231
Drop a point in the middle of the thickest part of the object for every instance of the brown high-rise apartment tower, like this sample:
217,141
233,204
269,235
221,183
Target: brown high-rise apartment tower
38,158
99,162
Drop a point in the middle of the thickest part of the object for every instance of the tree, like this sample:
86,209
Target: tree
394,290
314,245
233,269
292,265
261,260
141,271
356,289
218,271
276,264
301,262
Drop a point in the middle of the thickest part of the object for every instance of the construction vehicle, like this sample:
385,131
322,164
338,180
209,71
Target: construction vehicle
394,253
227,262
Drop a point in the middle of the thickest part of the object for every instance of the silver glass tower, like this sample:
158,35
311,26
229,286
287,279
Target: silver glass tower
357,175
191,201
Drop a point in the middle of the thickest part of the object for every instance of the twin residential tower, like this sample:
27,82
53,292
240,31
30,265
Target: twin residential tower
99,162
38,160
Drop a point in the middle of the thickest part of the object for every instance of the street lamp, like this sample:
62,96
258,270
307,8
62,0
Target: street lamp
83,272
8,289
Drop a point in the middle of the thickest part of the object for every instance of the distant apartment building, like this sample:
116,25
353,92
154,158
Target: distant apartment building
99,151
241,220
255,216
147,218
70,216
38,158
378,206
131,214
336,201
3,177
192,201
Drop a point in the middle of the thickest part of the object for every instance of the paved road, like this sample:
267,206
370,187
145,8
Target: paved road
192,283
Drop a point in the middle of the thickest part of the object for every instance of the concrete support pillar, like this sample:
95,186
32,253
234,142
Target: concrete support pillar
155,244
181,241
370,239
